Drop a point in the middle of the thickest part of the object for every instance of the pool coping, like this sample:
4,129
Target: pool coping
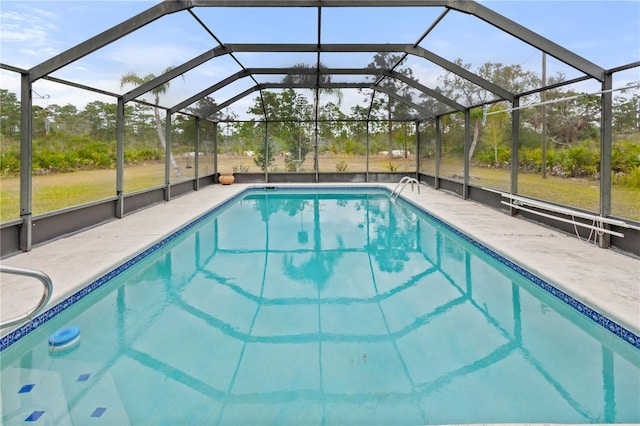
621,327
591,313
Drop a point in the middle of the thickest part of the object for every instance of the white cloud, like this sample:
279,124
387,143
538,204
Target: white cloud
79,68
352,98
14,33
425,75
44,53
10,81
27,36
149,58
45,14
22,27
437,44
30,35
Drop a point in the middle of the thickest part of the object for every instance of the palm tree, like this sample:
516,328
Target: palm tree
133,78
310,79
306,78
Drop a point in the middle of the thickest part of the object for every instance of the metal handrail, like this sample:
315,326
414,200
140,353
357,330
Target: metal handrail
404,181
33,273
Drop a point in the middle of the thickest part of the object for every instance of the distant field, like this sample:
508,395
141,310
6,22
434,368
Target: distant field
57,191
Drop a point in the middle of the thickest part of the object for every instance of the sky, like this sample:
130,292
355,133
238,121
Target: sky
606,33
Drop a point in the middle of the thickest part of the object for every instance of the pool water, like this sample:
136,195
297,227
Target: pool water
325,308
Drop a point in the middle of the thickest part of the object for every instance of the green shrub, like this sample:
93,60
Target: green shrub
487,156
9,156
56,153
580,160
240,168
630,179
484,157
140,155
95,155
10,163
291,164
504,155
353,147
341,166
392,167
530,159
625,157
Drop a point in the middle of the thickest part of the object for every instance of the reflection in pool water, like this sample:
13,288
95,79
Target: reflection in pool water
323,308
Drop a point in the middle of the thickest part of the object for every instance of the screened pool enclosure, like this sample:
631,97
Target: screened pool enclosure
109,107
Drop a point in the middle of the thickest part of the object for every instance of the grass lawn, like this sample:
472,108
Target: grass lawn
58,191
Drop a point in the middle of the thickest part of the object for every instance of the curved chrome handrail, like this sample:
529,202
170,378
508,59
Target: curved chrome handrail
404,182
33,273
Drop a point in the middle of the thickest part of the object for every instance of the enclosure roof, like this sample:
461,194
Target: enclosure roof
244,47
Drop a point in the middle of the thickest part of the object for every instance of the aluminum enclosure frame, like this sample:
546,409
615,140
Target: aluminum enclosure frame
164,8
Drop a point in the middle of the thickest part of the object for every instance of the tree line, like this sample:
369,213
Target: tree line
67,137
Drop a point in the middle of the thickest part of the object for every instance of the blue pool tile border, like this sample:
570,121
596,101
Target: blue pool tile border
590,313
52,312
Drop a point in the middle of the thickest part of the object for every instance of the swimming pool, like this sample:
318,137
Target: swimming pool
322,307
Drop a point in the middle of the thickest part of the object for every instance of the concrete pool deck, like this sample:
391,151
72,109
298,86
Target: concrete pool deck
605,280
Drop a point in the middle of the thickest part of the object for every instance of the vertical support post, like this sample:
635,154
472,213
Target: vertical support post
417,150
436,183
604,240
266,151
316,103
215,152
196,158
26,153
515,146
543,98
368,153
316,159
467,149
167,159
120,158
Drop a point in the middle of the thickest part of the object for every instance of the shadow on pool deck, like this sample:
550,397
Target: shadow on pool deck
603,279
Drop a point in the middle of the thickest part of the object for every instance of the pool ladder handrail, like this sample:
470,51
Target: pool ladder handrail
46,295
402,184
